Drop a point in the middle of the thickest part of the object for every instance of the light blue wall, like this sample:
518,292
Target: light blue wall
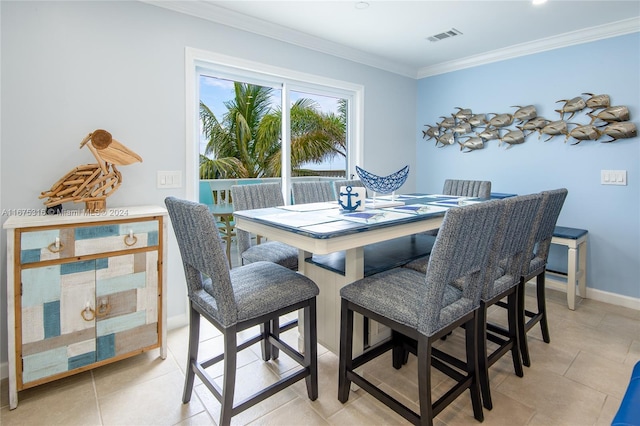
610,213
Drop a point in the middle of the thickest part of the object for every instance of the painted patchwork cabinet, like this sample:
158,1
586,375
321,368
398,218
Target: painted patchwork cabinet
83,290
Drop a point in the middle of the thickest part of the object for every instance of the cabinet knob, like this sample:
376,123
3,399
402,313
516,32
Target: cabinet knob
88,314
130,240
56,246
103,308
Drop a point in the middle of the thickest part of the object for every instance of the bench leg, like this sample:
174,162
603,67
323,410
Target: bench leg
582,266
571,278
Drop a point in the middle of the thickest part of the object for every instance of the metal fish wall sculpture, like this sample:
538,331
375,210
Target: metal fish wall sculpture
471,131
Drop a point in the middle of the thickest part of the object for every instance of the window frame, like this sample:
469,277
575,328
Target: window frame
200,62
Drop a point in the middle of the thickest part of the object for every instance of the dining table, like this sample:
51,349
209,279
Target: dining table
337,247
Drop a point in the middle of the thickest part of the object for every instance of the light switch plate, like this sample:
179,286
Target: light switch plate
613,177
169,179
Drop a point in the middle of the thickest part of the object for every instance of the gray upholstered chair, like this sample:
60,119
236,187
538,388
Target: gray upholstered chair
509,254
350,182
248,197
464,188
236,300
312,192
467,188
539,245
422,308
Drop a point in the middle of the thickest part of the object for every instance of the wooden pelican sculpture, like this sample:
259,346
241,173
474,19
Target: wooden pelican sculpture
92,183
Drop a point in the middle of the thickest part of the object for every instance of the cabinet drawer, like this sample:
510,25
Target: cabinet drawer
61,243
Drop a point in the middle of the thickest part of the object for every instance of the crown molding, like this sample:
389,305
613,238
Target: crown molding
214,13
572,38
220,15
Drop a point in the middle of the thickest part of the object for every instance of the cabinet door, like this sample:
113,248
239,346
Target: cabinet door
126,304
56,336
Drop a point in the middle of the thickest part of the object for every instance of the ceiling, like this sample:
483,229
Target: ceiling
393,34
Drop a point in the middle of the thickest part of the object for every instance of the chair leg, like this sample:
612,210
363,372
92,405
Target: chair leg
311,350
542,306
483,360
423,356
399,354
471,345
229,380
512,313
345,363
275,330
192,357
265,346
522,325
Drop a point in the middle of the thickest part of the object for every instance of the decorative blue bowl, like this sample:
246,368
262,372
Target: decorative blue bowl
383,184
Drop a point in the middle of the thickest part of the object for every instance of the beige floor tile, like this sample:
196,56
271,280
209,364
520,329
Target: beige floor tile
634,353
584,338
327,403
609,411
559,398
131,371
506,411
623,325
69,401
551,356
154,402
295,412
366,410
600,373
250,379
200,419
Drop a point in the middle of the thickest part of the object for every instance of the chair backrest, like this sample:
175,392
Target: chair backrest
459,257
509,253
312,192
204,259
258,196
467,188
349,182
545,223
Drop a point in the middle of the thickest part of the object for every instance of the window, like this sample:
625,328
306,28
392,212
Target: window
286,89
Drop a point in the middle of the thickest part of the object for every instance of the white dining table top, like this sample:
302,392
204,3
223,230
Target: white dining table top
325,227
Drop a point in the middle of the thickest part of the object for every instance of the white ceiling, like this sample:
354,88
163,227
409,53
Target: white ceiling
392,34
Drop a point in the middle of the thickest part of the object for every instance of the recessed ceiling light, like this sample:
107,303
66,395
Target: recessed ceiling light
537,2
362,5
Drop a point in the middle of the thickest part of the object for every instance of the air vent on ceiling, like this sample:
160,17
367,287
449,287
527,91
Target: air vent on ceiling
447,34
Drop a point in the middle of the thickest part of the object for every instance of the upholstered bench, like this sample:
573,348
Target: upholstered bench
629,412
576,242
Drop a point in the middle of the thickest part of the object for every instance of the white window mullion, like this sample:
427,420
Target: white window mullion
286,144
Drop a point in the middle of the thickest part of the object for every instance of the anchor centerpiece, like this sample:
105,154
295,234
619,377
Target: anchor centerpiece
350,193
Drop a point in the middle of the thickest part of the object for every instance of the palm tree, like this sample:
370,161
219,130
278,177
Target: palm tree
247,142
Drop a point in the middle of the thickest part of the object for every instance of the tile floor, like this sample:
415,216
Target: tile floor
578,379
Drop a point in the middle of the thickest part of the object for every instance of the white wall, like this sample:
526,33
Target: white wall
69,68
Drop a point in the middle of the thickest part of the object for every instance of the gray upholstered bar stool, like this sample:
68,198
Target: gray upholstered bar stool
467,188
236,300
464,188
508,258
420,309
552,203
312,192
257,196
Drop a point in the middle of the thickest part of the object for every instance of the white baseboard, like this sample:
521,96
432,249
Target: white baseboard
602,296
614,299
